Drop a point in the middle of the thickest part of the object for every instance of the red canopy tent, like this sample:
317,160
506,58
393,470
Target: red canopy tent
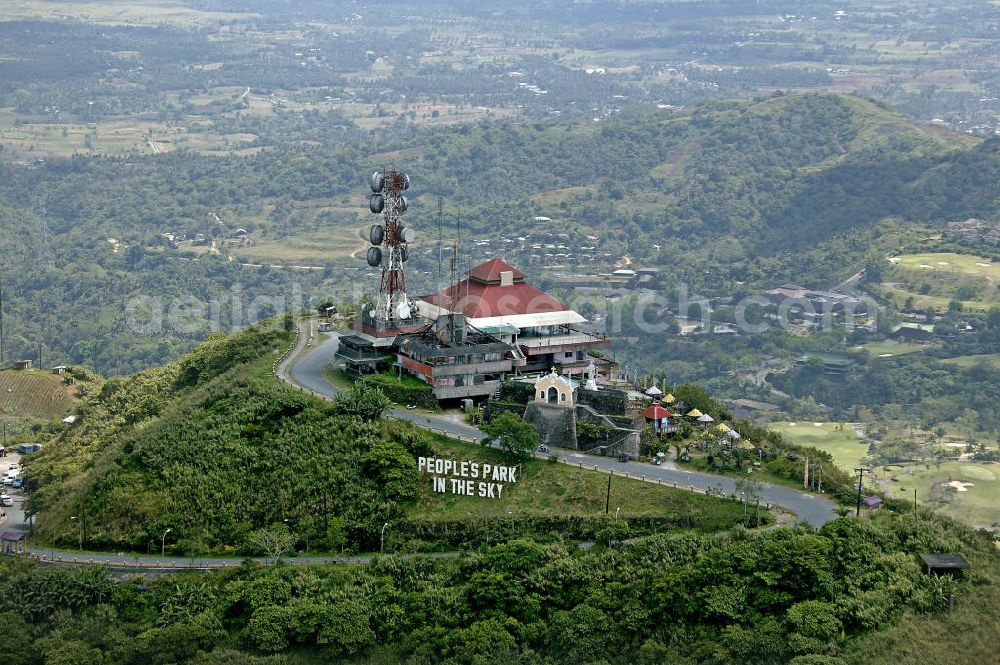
656,412
657,415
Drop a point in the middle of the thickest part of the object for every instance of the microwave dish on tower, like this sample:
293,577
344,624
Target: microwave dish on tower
389,241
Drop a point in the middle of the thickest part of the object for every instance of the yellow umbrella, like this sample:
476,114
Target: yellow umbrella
746,445
722,427
668,399
694,413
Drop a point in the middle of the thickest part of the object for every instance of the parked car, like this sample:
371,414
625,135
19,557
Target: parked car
6,500
657,461
14,467
18,483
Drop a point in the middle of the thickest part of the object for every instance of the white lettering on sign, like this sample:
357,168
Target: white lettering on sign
467,478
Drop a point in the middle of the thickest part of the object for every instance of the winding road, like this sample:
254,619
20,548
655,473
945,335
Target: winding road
305,368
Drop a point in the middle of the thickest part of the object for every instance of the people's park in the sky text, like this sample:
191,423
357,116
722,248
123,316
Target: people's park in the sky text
467,478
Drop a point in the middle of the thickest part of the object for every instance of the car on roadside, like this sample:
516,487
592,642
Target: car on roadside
14,467
18,483
8,480
6,500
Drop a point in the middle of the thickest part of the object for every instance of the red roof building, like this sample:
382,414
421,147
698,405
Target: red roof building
656,412
495,298
495,289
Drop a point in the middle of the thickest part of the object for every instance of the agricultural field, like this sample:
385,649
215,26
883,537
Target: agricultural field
840,441
34,394
312,248
964,490
132,12
111,137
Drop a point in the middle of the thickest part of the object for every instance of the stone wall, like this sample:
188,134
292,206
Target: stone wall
604,400
556,425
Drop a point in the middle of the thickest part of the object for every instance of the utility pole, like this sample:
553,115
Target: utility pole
607,502
861,476
805,475
914,500
2,349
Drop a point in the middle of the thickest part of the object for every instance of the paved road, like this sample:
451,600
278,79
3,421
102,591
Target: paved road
307,371
14,514
130,562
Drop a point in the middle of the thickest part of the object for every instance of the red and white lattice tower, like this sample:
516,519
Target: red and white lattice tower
389,241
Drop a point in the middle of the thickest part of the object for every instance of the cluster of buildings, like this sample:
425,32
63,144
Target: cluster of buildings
814,301
975,230
465,340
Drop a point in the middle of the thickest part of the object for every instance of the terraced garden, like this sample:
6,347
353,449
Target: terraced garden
33,394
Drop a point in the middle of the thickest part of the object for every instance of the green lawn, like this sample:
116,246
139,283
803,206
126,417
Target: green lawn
989,359
845,446
978,504
888,349
949,263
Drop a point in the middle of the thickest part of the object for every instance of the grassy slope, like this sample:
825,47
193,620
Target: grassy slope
969,635
550,488
944,273
73,466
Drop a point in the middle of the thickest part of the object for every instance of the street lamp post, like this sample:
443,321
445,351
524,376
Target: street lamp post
511,513
80,524
163,542
381,545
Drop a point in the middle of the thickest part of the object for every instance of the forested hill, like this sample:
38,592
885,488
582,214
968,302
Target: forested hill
788,186
212,446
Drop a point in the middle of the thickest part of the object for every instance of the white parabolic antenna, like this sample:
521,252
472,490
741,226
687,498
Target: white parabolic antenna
403,310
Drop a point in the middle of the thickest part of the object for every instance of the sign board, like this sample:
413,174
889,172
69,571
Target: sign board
467,478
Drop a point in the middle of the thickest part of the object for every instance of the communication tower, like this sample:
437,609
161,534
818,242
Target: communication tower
389,246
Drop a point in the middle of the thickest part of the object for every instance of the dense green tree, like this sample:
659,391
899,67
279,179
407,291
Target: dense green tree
515,437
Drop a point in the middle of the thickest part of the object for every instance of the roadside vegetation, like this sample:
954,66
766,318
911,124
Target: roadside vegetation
851,593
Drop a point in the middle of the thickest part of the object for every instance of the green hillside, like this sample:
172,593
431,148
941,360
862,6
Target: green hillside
851,593
213,447
803,187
